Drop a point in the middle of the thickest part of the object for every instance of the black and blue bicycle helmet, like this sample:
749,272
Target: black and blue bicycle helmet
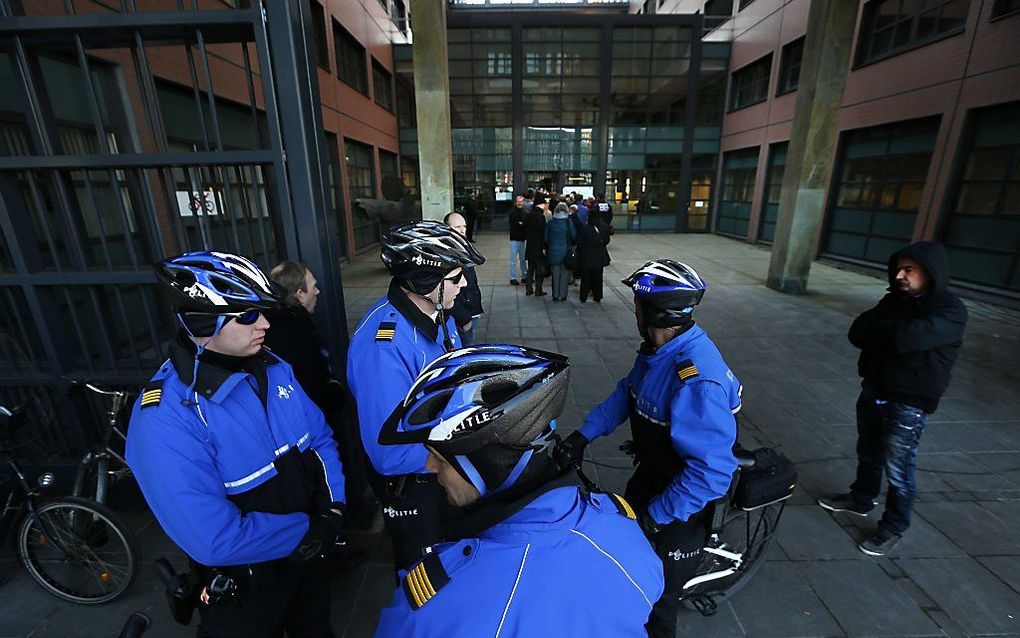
209,281
667,290
487,409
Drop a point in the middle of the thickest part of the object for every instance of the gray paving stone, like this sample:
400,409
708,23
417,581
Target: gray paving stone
865,601
973,526
724,624
809,533
780,603
1007,568
969,594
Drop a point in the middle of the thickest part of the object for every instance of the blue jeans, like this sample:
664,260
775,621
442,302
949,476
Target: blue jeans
517,257
888,434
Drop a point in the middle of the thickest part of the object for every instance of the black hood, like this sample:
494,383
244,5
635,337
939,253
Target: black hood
932,257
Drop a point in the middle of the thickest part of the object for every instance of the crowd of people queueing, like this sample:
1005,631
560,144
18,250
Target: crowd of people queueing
562,236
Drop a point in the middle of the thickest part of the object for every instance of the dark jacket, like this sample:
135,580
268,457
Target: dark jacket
559,237
591,245
292,337
469,301
534,232
909,344
517,218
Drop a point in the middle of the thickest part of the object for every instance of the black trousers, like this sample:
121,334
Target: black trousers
534,278
276,597
414,507
591,283
361,504
679,545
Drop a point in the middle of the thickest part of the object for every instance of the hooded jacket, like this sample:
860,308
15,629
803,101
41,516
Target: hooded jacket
559,236
909,344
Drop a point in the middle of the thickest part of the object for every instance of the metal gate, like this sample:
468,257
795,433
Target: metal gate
128,135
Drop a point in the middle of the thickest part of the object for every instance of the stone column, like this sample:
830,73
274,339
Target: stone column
813,140
432,99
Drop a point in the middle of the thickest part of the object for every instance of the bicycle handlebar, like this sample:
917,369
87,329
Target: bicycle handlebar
135,625
108,393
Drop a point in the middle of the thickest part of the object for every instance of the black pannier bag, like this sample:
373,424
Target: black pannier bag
772,479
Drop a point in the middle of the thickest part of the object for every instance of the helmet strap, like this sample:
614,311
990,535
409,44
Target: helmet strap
221,321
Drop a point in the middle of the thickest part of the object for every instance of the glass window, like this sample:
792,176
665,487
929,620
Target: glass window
319,33
351,63
773,191
750,84
892,26
983,231
360,172
789,67
1004,7
877,190
734,209
382,86
398,13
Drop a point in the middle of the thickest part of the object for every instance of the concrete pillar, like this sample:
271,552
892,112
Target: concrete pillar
813,141
432,98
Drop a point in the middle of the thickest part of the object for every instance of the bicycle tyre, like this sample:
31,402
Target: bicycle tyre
103,524
724,588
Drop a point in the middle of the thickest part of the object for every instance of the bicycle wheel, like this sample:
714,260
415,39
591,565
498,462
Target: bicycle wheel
78,550
744,534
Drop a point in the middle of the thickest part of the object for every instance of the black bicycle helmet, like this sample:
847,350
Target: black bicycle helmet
667,290
486,409
215,282
422,253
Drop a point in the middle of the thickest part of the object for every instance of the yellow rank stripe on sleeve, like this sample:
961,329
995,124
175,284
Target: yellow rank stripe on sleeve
385,334
687,373
420,585
151,397
625,506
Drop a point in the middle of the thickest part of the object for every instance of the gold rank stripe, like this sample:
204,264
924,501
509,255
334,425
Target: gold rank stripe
151,396
385,333
688,372
420,585
626,506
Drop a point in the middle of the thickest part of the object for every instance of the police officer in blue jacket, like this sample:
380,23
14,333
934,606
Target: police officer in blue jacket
680,398
539,556
236,462
398,336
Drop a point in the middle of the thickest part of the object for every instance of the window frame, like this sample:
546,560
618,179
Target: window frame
998,12
865,31
730,94
782,81
319,33
378,66
341,34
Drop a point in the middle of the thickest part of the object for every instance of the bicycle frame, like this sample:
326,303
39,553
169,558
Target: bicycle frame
14,506
103,453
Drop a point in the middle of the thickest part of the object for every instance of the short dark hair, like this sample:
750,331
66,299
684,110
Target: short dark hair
290,275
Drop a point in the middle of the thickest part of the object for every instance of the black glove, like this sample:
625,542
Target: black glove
324,536
570,451
647,523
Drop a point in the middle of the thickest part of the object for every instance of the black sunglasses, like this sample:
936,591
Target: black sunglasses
455,279
246,318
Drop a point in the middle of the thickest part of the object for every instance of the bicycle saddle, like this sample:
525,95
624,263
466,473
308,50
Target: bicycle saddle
745,459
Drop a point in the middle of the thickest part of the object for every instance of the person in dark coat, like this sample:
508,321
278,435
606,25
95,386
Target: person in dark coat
909,342
293,337
471,215
592,256
534,249
467,309
559,238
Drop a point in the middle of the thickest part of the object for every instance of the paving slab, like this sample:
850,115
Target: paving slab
974,526
865,601
969,593
779,603
809,533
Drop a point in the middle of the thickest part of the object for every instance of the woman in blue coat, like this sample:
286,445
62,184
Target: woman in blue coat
559,237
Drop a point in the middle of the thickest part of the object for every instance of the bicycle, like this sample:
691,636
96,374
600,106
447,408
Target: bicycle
74,548
94,474
742,530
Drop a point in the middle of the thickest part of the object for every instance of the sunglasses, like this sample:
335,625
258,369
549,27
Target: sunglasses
245,318
455,279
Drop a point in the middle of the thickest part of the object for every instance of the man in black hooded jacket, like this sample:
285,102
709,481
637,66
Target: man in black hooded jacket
909,342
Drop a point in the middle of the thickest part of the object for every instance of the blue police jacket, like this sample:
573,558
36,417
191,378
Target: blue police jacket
393,343
233,469
681,400
566,564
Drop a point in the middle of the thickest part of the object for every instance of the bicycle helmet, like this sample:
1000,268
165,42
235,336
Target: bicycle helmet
486,409
667,290
422,253
208,281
